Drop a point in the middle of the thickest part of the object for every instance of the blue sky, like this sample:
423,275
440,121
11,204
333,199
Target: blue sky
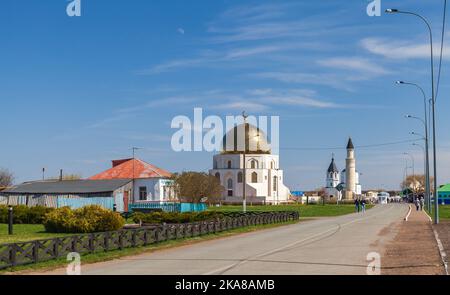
78,92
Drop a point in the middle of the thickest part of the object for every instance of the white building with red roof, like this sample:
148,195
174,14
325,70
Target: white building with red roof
150,183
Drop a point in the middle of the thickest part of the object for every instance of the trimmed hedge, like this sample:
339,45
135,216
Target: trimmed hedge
175,217
23,214
88,219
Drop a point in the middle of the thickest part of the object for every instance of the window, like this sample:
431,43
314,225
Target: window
272,165
230,183
254,177
229,164
240,177
230,187
275,180
254,164
217,176
142,193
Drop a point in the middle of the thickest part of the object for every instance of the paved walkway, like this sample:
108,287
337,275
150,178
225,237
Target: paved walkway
414,249
336,245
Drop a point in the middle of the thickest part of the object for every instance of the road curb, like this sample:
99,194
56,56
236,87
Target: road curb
441,251
429,217
409,213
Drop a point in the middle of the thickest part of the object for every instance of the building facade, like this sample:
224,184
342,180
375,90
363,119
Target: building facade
332,182
263,177
149,183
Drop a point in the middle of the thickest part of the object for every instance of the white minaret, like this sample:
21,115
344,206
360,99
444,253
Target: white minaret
350,172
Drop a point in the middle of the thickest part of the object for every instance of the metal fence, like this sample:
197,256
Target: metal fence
43,250
169,206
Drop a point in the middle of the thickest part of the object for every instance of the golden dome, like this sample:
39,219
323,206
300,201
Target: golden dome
255,141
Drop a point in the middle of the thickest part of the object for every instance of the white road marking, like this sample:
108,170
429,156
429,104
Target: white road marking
441,251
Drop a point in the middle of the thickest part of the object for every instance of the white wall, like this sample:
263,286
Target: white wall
155,189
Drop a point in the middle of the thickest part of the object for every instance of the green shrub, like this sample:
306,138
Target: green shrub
23,214
88,219
175,217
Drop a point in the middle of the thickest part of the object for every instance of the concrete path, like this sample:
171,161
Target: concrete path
414,249
337,245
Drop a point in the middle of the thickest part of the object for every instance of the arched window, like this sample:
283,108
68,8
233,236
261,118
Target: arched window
230,183
217,175
272,165
254,177
229,164
240,177
230,187
254,164
275,184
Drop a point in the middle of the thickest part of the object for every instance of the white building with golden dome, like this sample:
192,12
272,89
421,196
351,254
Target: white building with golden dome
263,176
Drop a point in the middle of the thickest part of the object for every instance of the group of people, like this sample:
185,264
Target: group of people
420,203
360,205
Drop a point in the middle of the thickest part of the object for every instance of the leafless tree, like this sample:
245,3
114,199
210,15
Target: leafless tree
6,178
195,186
416,183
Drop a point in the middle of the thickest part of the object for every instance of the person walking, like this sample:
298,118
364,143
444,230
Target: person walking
363,206
357,205
422,203
417,202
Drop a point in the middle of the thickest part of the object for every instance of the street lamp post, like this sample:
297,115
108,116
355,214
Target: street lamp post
414,172
425,123
427,199
244,181
433,106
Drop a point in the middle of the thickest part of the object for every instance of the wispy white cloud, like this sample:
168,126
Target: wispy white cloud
363,65
264,99
400,49
241,105
325,79
209,57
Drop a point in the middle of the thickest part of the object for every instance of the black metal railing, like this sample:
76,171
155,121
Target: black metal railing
22,253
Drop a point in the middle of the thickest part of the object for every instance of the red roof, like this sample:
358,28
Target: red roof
131,168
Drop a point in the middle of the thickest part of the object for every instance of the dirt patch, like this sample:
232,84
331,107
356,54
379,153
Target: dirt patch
414,249
443,230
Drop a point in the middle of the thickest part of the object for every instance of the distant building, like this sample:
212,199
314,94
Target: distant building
129,181
150,183
346,183
72,193
333,179
263,176
444,194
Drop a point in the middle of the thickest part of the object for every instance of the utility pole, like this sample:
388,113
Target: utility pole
132,188
244,181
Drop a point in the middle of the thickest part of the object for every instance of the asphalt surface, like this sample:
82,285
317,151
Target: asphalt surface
335,245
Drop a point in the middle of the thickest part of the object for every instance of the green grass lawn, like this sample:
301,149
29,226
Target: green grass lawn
304,210
444,212
25,232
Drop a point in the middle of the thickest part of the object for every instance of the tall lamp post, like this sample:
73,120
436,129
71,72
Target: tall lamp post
427,197
424,121
433,105
244,181
427,161
414,172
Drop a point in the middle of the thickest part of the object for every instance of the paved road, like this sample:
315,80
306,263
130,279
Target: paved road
337,245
